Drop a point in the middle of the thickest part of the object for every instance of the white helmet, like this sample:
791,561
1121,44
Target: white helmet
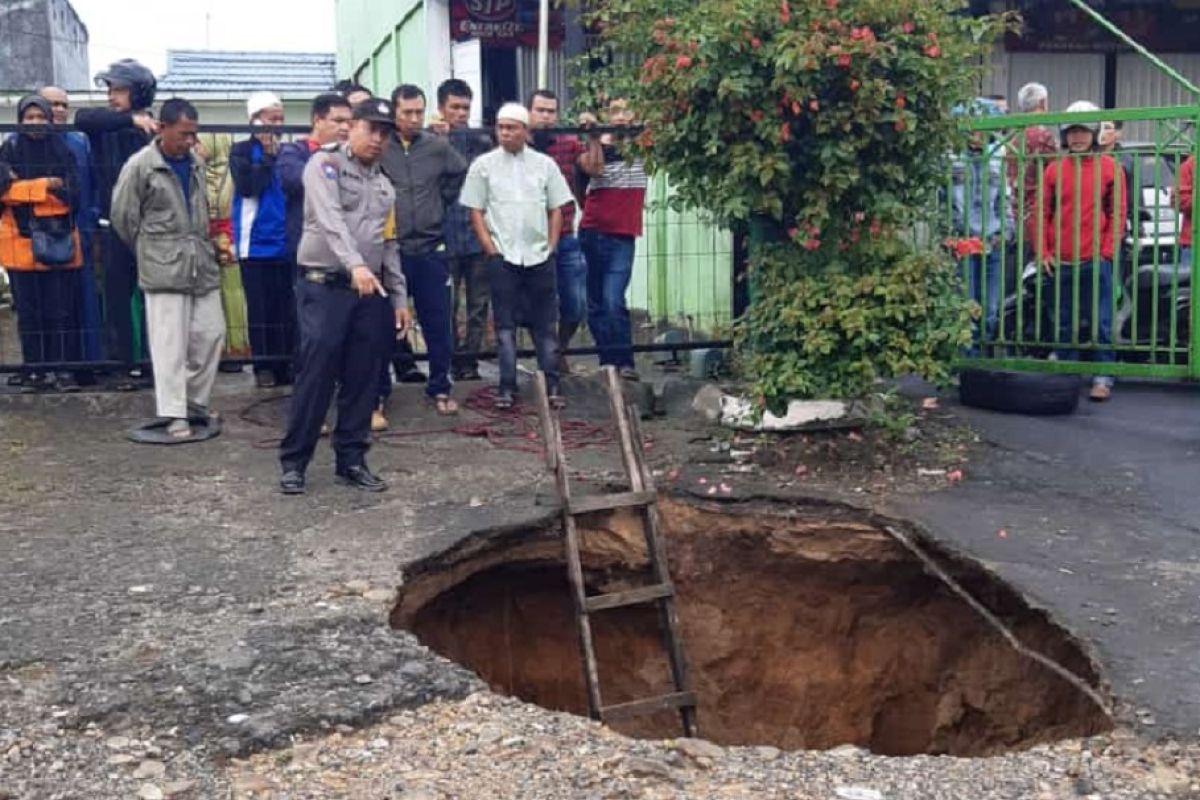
1078,107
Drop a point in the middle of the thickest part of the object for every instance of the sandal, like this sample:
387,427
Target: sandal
179,429
445,405
503,401
557,401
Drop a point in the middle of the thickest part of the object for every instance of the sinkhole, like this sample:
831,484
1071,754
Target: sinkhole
804,626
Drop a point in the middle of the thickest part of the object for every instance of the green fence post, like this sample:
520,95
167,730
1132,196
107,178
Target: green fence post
1194,306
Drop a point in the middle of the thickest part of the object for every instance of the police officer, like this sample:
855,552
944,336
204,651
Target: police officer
349,272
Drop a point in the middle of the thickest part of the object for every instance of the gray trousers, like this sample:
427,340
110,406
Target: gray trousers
187,334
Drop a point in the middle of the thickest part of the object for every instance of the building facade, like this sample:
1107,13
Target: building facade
1078,60
42,42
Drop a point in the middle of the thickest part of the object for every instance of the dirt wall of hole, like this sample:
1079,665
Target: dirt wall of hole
803,630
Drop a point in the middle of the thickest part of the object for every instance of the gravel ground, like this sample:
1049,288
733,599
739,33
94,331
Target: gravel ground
170,627
487,746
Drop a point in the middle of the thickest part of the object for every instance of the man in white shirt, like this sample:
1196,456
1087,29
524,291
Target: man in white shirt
516,195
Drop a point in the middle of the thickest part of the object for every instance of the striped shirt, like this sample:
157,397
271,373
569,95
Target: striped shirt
616,199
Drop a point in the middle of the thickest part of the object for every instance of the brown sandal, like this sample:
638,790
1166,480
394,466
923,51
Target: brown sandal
444,404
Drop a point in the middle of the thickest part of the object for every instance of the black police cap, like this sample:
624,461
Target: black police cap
374,110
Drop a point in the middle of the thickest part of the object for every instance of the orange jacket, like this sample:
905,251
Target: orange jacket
1186,195
16,251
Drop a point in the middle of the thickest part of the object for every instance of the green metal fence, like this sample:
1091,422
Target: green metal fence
1076,257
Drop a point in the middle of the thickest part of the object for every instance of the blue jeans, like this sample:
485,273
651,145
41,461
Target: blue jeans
609,270
429,287
572,282
983,273
1101,326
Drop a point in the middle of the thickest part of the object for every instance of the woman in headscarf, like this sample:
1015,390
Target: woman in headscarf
213,149
39,245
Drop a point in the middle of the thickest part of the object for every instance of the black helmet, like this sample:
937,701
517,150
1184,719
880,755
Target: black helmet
129,74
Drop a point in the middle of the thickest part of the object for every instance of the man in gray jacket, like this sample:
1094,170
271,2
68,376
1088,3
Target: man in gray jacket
427,174
160,210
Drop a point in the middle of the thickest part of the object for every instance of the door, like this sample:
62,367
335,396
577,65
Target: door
466,63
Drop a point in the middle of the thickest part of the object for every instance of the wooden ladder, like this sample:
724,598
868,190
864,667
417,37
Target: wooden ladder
661,591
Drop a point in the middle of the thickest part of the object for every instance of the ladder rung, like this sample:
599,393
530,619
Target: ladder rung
609,502
632,597
650,705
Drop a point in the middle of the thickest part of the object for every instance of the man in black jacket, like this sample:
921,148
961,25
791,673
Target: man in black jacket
427,174
116,133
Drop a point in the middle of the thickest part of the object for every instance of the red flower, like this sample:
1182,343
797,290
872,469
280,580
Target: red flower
933,51
901,102
785,12
785,132
908,27
757,115
831,4
755,43
793,233
812,244
855,85
901,125
796,109
813,105
683,62
844,61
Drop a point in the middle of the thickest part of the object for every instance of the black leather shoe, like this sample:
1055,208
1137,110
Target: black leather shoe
361,478
412,376
292,482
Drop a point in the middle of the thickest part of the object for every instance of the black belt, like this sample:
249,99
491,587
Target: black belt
325,277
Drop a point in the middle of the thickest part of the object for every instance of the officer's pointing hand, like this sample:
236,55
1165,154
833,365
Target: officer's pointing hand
363,281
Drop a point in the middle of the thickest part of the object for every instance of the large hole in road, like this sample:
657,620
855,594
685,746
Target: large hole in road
808,627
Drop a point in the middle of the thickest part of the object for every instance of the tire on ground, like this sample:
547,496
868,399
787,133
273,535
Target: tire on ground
1019,392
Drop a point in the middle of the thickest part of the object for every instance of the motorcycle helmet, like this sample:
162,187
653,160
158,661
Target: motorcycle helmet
129,74
1079,107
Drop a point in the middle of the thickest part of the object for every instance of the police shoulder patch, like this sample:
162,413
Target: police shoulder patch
329,169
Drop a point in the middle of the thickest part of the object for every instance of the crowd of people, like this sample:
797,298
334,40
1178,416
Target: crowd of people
1065,195
255,194
205,246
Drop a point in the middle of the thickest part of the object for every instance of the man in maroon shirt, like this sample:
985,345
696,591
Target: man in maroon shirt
572,270
1036,149
612,222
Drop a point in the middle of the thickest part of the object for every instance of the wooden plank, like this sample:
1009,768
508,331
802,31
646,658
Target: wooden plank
562,480
610,502
660,567
650,705
616,402
630,597
545,417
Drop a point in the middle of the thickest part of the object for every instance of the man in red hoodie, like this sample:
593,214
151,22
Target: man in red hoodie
1083,210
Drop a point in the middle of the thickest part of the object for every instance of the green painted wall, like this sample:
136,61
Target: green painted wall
683,268
387,36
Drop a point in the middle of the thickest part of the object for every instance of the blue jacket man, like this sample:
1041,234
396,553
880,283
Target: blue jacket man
114,134
260,241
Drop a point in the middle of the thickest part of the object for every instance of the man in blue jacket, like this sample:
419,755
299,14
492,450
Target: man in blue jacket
115,134
331,119
260,240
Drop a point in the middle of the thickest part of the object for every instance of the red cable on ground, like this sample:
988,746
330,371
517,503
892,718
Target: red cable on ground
517,429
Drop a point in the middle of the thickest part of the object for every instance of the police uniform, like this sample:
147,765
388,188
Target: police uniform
348,208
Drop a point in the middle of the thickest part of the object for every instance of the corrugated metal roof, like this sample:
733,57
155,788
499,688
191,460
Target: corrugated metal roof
232,71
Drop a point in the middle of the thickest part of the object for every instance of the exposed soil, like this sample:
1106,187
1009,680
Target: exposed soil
923,448
809,629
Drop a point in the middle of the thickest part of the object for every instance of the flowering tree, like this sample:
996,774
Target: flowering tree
829,123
